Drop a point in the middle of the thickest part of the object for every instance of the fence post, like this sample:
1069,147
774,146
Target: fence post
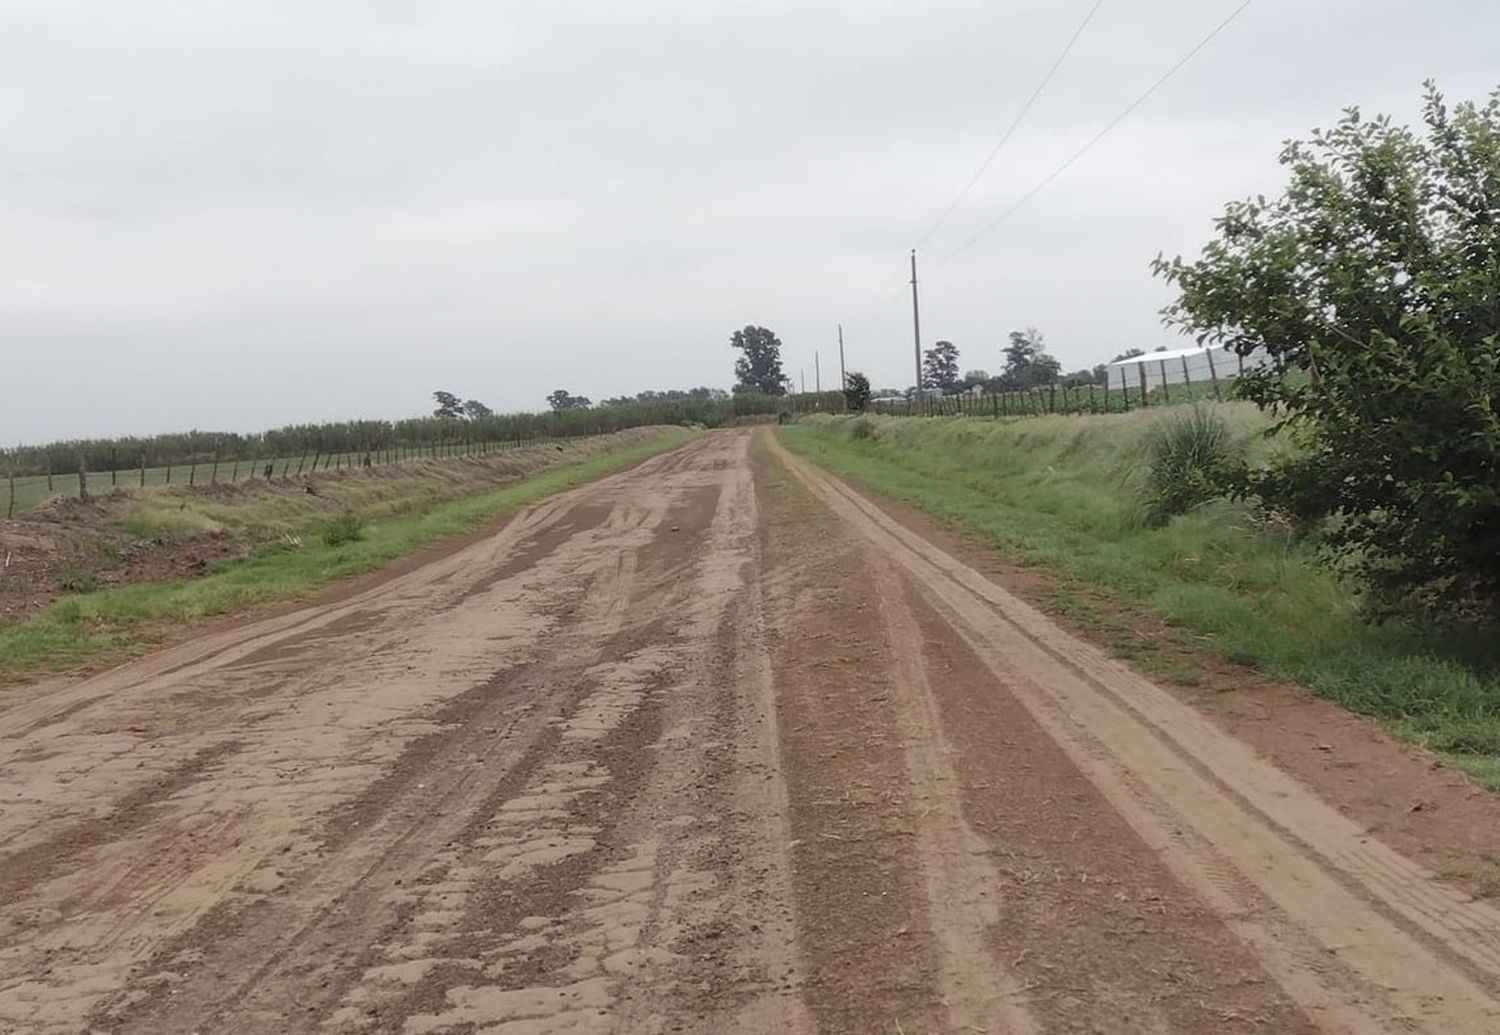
114,468
193,473
1213,374
49,474
1093,405
1166,393
1141,369
1187,377
169,472
10,509
143,470
213,475
83,481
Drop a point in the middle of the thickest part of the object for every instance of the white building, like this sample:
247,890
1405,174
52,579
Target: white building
1199,365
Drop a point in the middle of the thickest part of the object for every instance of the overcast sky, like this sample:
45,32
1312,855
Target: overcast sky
233,215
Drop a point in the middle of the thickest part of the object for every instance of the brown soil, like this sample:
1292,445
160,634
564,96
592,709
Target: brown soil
713,745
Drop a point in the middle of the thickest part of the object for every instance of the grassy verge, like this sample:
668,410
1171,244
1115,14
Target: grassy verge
125,619
1062,493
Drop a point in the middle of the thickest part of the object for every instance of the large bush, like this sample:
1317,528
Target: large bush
1373,283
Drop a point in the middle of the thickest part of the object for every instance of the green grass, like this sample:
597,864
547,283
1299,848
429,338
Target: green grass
1064,493
126,619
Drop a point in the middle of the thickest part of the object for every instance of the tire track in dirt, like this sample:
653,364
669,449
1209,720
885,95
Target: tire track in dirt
1364,939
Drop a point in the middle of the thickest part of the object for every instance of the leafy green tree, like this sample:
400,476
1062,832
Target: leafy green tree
1373,284
1027,363
759,368
857,391
561,400
474,409
449,407
940,367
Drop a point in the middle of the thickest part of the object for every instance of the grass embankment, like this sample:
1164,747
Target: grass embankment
1064,494
399,515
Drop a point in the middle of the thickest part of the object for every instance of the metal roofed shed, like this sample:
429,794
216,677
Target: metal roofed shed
1196,365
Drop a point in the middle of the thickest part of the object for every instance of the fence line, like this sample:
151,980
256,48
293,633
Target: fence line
1064,398
26,491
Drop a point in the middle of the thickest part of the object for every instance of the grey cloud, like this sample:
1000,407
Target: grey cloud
238,214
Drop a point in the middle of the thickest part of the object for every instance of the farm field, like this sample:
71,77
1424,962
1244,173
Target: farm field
716,743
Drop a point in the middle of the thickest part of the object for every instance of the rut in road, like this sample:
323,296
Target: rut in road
714,745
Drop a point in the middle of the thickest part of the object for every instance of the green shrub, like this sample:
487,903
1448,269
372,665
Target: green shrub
1371,284
862,428
1191,458
348,527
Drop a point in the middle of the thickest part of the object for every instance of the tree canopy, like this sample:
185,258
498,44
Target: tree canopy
940,367
759,367
1373,283
857,391
1027,364
561,399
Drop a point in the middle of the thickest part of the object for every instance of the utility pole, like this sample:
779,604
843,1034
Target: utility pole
818,374
843,377
802,373
916,329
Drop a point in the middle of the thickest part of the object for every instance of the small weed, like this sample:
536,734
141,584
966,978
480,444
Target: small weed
348,527
75,580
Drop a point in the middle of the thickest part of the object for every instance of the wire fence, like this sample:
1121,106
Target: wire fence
1152,379
25,492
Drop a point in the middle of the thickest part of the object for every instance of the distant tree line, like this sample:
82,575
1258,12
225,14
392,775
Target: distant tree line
469,422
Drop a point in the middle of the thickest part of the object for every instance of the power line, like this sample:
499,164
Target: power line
1015,124
1047,180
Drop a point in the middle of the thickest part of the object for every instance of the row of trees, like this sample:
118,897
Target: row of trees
1027,364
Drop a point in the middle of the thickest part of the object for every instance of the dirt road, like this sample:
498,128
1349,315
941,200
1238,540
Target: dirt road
713,745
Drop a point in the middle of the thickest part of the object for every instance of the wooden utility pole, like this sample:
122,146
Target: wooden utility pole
916,329
843,377
817,374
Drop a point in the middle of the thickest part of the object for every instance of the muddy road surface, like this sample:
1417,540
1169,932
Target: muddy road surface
712,745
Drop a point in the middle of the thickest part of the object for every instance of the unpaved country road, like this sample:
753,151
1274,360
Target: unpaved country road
712,745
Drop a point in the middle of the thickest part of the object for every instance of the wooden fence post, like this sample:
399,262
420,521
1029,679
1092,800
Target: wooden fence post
1213,373
10,509
1166,393
1141,369
114,468
143,470
1187,377
213,476
169,472
193,473
83,481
